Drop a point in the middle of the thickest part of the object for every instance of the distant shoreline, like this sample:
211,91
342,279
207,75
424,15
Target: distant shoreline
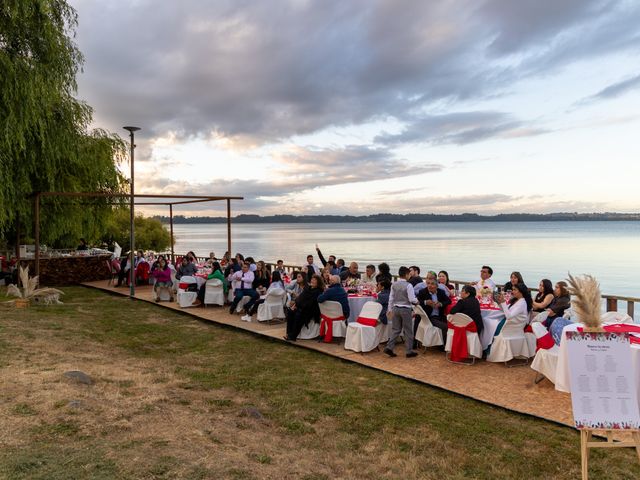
409,218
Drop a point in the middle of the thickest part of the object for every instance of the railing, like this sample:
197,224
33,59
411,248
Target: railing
611,301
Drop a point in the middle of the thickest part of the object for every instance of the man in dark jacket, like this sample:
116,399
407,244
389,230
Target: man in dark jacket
469,305
336,293
433,301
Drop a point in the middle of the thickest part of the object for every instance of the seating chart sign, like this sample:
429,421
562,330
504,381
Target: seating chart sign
604,392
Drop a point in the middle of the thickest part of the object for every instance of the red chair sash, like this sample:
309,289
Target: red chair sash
326,327
459,347
545,342
183,286
528,328
369,322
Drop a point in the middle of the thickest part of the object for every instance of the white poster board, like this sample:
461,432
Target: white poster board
603,388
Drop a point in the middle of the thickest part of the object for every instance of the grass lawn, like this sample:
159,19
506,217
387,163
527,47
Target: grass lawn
177,398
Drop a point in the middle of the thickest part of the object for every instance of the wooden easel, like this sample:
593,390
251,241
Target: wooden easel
587,442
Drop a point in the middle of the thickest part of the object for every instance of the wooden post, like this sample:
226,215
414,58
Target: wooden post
36,229
18,238
173,260
612,305
630,308
229,226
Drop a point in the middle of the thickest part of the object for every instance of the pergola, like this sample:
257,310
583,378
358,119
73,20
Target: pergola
166,200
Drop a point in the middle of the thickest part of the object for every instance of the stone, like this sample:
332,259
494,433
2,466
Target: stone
251,412
79,377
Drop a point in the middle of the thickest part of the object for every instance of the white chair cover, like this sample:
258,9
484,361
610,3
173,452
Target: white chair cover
510,343
616,317
242,303
540,317
273,306
214,292
364,338
334,310
427,334
546,360
310,332
473,339
185,298
164,293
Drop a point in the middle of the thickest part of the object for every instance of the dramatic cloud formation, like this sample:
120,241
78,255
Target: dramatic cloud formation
330,93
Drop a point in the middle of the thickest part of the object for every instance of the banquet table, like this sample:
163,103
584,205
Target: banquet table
491,318
356,302
563,382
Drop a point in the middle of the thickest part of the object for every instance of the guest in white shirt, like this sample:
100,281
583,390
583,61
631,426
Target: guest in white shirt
311,268
244,281
519,306
369,274
485,282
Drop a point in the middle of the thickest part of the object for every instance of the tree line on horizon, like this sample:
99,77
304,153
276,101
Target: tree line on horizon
407,217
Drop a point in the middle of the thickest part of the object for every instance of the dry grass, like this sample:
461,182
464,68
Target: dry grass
171,395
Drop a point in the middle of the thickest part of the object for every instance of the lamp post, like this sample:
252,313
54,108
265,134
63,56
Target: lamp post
132,273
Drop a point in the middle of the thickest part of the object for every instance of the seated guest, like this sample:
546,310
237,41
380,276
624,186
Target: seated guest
276,284
83,245
326,274
419,286
262,278
162,275
433,301
519,306
305,309
192,257
333,268
514,279
414,275
244,279
369,274
280,268
332,258
311,268
544,297
336,293
561,301
296,287
252,263
351,273
384,290
212,257
485,281
216,272
469,305
384,273
340,265
186,268
443,279
239,260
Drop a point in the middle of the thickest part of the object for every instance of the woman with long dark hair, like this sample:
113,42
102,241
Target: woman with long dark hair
514,279
544,297
305,309
519,305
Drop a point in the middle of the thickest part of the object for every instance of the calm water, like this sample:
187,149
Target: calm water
608,250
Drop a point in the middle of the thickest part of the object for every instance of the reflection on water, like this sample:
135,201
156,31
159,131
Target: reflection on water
608,250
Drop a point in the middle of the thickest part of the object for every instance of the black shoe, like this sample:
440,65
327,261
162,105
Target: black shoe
391,353
231,309
412,354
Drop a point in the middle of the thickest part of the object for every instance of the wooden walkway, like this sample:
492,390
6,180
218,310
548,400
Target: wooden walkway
510,388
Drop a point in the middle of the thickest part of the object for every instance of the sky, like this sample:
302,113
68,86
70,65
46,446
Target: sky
370,106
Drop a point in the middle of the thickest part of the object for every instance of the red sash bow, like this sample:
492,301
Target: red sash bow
326,324
545,342
459,347
369,322
183,286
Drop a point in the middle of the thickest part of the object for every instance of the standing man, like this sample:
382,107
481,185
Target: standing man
311,268
401,301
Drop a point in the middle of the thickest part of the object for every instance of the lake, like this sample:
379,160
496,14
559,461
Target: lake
607,250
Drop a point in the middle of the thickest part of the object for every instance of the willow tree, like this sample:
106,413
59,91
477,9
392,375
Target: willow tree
45,140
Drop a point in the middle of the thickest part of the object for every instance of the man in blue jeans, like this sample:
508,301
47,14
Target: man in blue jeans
245,278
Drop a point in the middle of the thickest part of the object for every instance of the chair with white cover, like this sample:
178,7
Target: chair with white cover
273,306
113,272
546,360
243,301
427,334
510,343
616,317
331,311
361,337
214,292
474,347
540,317
310,332
185,297
174,281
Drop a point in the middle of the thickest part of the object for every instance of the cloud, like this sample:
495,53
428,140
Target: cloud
612,91
459,128
262,71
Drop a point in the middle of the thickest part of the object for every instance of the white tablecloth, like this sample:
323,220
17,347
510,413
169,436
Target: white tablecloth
490,320
355,306
563,382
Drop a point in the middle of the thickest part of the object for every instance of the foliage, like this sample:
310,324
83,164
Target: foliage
150,233
45,142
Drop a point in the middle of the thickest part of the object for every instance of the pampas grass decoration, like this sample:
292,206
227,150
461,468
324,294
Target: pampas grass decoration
586,301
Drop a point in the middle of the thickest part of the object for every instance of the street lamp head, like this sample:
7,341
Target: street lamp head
132,129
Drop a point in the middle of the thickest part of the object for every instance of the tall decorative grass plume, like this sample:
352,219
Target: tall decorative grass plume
585,290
